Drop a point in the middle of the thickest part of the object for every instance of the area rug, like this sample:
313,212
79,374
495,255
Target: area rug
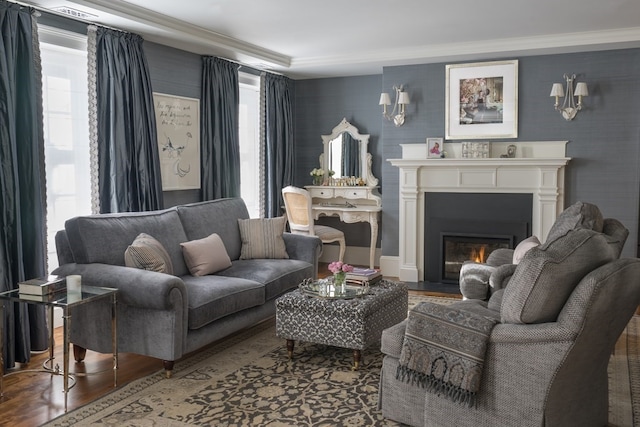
248,380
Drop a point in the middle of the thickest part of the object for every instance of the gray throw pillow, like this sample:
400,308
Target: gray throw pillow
578,215
262,238
544,279
147,253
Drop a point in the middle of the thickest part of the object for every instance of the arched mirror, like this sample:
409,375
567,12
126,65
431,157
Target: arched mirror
346,154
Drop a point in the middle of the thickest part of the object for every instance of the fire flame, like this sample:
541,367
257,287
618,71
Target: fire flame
477,255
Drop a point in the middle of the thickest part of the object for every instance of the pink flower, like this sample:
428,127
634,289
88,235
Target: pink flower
340,267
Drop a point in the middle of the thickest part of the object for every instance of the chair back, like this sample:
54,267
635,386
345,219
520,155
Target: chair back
297,202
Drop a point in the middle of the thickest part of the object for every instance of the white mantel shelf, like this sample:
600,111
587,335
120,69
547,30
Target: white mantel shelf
541,175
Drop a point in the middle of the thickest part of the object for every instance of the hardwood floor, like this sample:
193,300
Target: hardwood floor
34,398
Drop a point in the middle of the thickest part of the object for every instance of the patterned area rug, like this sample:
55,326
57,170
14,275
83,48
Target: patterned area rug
248,380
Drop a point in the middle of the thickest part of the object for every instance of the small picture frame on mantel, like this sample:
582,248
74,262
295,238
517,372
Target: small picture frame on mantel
476,150
434,148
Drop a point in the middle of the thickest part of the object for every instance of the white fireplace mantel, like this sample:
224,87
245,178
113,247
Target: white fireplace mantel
541,174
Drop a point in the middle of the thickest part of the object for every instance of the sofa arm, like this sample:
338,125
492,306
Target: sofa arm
501,276
136,287
303,248
500,256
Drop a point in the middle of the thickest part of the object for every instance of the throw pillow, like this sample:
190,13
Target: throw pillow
578,215
262,238
523,247
205,256
546,277
147,253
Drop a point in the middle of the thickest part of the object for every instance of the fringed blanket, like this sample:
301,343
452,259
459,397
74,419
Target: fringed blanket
443,350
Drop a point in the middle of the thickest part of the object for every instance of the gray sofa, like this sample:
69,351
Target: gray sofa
167,316
558,318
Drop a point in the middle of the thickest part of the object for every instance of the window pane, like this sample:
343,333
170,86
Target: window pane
66,137
249,124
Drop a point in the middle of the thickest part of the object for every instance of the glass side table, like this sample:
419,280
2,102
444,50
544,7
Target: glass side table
65,301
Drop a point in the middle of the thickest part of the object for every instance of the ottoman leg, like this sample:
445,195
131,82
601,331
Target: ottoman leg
290,344
357,355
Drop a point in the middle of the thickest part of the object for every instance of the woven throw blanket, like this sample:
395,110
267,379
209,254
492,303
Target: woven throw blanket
444,349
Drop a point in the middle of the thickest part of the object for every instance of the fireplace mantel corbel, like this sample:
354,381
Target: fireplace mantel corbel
541,174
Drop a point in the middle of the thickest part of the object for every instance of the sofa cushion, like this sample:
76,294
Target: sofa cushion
262,238
523,247
578,215
146,253
205,256
115,232
215,216
213,297
277,275
546,276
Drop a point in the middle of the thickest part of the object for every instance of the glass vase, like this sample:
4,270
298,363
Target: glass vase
339,282
317,180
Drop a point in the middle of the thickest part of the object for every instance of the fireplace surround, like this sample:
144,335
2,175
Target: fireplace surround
538,170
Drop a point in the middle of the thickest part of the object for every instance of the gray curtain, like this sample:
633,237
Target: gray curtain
129,164
279,150
220,145
22,181
350,155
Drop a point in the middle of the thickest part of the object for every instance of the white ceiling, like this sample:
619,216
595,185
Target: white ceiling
308,39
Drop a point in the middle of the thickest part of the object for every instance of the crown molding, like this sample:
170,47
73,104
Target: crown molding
183,29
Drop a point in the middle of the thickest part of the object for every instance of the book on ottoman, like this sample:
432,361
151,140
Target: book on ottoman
360,275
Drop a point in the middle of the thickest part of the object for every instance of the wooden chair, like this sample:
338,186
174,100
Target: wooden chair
297,202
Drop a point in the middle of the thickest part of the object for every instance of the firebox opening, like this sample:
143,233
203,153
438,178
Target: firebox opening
457,248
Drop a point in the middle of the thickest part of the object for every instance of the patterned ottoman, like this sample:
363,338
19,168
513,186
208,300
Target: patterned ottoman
350,323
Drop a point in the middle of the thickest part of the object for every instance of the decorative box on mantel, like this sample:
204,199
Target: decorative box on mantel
538,168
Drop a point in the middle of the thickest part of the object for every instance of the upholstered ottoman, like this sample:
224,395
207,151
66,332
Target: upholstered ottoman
350,323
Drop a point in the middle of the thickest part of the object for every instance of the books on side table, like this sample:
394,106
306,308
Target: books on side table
360,275
42,288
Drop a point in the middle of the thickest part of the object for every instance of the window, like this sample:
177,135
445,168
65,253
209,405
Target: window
249,123
66,129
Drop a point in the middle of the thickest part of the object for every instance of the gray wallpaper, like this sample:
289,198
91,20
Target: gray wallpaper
604,137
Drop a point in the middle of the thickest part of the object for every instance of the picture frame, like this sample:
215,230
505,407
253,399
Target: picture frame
178,126
434,148
476,150
482,100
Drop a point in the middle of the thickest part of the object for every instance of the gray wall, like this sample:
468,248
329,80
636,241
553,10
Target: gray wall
604,137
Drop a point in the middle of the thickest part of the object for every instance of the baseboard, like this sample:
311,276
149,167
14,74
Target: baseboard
389,266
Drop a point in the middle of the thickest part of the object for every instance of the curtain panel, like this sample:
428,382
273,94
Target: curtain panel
220,136
128,159
279,147
22,181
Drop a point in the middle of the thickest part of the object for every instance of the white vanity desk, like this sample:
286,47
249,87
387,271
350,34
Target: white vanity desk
350,204
346,153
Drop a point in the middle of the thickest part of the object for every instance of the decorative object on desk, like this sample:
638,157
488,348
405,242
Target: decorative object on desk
476,150
482,100
340,270
569,107
42,285
434,147
402,99
318,176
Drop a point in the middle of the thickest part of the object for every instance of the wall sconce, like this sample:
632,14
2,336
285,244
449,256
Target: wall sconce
569,107
402,99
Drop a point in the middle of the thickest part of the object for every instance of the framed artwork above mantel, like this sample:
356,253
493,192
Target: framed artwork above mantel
482,100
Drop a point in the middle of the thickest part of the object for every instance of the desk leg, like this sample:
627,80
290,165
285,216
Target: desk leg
66,318
51,339
373,221
114,339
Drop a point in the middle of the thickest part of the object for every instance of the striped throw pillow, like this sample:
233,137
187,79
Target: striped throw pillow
262,238
147,253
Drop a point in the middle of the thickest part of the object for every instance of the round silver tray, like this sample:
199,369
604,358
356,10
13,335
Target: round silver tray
325,289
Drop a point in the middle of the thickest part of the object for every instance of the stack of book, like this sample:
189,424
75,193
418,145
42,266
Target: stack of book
42,289
360,275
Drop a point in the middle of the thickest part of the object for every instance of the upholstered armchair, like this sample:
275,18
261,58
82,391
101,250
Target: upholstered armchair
545,363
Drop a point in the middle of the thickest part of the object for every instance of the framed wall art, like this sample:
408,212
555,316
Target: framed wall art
178,124
434,147
482,100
